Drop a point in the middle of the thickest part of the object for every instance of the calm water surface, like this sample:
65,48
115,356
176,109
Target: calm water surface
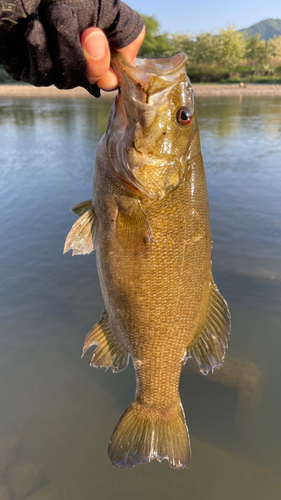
57,414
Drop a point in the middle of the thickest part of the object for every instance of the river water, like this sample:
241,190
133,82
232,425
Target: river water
57,413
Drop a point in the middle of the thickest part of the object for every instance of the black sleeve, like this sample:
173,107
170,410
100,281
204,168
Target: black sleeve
40,40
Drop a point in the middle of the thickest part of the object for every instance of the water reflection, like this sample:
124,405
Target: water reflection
57,413
243,376
52,113
234,114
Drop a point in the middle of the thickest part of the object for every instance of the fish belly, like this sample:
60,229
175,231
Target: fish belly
154,299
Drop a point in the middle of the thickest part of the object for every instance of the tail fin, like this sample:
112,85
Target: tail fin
139,437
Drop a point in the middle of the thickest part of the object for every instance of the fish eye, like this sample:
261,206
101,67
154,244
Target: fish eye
184,116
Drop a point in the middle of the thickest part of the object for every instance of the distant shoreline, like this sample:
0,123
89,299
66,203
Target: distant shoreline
200,89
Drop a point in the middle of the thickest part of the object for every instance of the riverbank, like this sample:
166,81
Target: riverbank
205,89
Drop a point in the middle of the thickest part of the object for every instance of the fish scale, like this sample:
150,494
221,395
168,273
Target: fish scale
149,221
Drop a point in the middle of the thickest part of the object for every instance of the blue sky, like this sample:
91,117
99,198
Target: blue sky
183,15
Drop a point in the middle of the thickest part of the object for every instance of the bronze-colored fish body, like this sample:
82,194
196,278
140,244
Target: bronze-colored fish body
150,216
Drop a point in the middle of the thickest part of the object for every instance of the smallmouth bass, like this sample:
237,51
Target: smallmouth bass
149,222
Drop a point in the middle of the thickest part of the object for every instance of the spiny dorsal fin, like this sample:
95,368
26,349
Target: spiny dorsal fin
80,238
82,207
107,353
133,228
209,345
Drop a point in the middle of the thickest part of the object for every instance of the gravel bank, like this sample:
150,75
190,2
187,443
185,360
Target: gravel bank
200,89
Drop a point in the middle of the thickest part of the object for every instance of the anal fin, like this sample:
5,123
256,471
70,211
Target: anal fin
210,343
80,238
107,353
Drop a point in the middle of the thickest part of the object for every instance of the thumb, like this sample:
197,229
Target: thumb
97,53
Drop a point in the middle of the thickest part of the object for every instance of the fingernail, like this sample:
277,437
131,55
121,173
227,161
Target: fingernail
95,45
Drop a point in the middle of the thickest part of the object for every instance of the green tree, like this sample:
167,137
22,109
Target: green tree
206,49
4,77
155,44
183,42
256,49
231,47
274,48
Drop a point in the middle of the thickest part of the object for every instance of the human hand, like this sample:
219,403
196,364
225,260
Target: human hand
40,40
97,53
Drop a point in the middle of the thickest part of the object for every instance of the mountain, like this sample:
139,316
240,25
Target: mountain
267,28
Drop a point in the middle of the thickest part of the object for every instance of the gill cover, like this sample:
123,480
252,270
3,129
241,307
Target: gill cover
148,147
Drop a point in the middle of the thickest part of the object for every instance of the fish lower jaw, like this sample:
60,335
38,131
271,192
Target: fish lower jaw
138,158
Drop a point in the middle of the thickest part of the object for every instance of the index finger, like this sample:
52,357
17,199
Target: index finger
130,52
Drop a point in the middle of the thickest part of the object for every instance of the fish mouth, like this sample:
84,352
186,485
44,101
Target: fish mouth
149,76
160,67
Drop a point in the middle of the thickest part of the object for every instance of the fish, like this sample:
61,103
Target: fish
149,223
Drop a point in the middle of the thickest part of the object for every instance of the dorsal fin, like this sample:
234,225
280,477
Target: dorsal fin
210,343
80,238
107,353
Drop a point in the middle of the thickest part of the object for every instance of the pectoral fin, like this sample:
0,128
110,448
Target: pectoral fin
107,353
81,207
133,228
80,238
210,343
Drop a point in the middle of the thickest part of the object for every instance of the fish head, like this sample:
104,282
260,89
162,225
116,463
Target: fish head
152,124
